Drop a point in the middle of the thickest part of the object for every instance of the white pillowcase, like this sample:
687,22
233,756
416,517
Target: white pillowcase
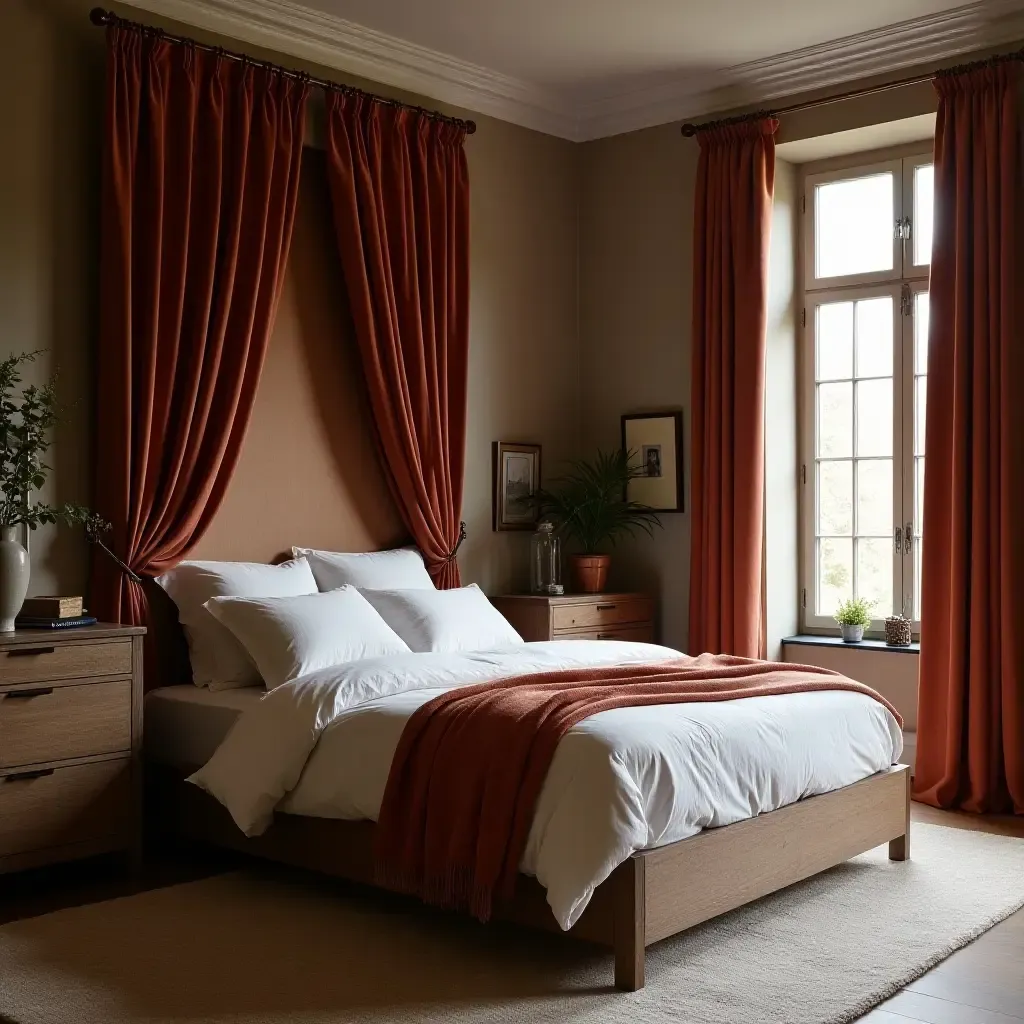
219,661
444,620
398,569
289,636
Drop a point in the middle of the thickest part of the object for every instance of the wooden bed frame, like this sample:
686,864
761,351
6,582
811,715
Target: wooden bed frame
654,894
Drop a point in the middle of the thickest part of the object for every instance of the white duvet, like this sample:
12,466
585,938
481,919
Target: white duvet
622,781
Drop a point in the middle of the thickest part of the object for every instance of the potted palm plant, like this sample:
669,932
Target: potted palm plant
27,416
588,504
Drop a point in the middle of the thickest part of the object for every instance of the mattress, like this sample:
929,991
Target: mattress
184,725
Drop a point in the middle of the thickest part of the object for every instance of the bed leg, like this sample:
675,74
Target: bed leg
899,848
629,925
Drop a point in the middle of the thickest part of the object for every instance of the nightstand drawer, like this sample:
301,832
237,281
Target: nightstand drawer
63,805
600,613
53,723
31,663
642,633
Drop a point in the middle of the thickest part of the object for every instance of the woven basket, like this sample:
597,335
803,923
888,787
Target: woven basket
897,631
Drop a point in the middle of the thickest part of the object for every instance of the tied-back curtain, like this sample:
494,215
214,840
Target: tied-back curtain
732,223
970,750
200,178
400,194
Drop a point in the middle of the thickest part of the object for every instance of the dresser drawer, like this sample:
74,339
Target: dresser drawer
640,633
30,663
64,805
52,723
600,613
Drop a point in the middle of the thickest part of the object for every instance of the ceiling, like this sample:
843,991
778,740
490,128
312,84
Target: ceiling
585,68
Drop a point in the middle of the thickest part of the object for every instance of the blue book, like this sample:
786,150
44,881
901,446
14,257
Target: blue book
30,622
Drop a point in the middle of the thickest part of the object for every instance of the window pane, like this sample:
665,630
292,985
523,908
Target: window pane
835,420
854,226
924,200
918,497
835,341
874,498
835,573
874,417
874,575
874,337
921,309
920,403
917,582
835,498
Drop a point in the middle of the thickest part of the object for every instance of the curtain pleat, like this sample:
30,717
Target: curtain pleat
400,195
970,741
732,223
200,179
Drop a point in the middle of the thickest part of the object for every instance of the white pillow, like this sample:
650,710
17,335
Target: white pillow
289,636
398,569
218,660
444,620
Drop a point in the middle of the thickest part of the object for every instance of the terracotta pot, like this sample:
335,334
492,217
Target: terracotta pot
590,572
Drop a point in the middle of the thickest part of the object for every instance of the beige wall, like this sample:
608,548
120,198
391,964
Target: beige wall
523,320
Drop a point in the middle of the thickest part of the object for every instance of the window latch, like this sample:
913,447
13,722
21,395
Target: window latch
898,540
901,230
908,538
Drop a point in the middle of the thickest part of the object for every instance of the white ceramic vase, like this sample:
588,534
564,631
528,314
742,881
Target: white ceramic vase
14,575
852,634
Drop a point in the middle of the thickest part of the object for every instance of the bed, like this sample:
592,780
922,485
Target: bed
680,874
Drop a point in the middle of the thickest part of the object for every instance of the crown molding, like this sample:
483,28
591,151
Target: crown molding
881,51
289,28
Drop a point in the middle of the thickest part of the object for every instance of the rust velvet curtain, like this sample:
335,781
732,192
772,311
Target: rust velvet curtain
970,751
400,195
732,220
200,177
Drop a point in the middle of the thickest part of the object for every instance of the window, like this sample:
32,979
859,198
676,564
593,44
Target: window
867,248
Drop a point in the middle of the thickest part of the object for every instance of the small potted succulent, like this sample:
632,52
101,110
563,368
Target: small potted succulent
854,616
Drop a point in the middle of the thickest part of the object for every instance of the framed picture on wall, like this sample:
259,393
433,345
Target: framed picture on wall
656,441
516,479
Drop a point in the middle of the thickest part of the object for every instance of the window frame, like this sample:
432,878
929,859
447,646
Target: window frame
903,283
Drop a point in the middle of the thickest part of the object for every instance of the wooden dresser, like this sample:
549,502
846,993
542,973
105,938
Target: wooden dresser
580,616
70,739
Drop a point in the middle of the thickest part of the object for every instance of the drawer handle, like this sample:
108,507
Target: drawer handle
606,607
605,636
39,773
28,652
39,691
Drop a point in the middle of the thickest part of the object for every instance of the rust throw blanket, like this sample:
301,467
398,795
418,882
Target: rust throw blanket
464,782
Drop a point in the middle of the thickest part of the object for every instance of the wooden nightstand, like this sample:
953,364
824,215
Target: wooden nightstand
580,616
70,739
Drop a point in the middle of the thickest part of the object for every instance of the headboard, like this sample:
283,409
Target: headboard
309,472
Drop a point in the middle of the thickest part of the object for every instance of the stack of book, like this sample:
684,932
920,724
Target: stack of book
53,613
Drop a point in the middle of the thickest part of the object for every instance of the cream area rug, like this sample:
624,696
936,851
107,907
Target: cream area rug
262,948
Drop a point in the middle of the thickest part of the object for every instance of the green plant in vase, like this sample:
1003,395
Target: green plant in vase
28,415
589,505
854,616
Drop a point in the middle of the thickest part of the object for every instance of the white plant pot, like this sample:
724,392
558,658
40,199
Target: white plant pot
15,571
852,634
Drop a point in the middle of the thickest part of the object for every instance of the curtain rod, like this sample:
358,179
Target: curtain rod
689,130
98,16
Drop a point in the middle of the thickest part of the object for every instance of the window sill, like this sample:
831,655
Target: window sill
806,640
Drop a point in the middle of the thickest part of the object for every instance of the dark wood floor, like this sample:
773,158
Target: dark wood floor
980,984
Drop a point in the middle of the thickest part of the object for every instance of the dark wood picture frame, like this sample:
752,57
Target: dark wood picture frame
499,449
673,430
